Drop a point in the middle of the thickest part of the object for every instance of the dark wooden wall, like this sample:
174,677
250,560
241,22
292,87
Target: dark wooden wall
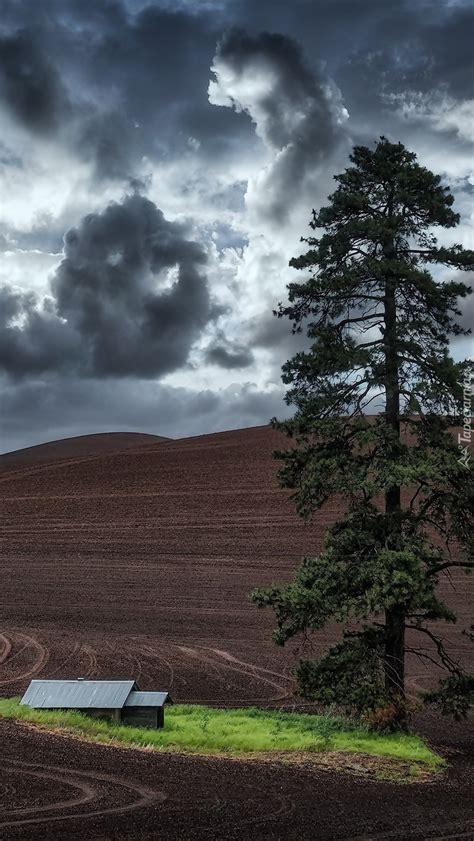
137,716
142,716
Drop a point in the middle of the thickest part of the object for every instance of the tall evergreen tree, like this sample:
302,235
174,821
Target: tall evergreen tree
379,325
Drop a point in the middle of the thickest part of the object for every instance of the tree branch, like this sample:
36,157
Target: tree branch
447,661
447,564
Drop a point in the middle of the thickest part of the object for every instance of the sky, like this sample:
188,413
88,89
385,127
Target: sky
159,162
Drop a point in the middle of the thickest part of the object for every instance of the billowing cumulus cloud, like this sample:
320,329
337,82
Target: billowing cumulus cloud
129,298
33,340
161,319
297,112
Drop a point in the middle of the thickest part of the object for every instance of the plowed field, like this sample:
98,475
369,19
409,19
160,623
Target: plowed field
137,562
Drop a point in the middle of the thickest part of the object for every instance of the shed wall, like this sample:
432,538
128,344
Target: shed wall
143,716
113,715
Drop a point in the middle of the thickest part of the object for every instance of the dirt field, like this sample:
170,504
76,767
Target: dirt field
136,561
83,445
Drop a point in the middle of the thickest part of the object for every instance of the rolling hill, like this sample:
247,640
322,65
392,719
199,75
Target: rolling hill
137,560
78,447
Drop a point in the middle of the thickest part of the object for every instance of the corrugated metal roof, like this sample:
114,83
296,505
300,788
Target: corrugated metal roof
147,699
78,694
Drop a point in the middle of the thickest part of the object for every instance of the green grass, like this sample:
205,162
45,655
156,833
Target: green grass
199,729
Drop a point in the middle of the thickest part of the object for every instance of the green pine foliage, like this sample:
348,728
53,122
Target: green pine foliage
376,396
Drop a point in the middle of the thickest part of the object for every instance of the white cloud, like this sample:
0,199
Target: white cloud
28,270
440,111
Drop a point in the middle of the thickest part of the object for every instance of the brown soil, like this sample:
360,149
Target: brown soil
59,788
81,446
138,563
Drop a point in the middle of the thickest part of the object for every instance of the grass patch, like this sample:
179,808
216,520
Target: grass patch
207,730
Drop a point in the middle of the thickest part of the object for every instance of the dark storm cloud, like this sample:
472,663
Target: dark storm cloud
32,341
421,48
33,92
227,354
274,335
270,332
129,299
297,111
130,79
116,86
45,409
427,40
29,85
374,50
122,84
108,140
9,160
292,84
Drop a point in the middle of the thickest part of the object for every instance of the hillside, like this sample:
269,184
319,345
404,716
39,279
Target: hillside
138,562
81,446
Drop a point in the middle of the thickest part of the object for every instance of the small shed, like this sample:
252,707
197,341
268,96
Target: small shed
145,709
118,700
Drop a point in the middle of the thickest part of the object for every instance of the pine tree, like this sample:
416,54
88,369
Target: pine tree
379,325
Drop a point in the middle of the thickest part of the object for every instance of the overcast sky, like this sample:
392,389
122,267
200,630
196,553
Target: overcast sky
158,164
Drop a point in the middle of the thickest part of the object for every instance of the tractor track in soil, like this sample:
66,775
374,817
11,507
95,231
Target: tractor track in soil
26,643
145,795
75,779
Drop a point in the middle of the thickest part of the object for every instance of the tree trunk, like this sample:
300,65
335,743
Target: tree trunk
394,662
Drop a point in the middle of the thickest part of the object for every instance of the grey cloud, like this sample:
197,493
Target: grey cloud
33,340
270,332
159,59
228,354
46,233
107,139
129,299
115,81
466,305
114,84
429,40
147,64
435,47
13,303
30,85
275,335
298,111
52,407
373,49
406,47
9,159
33,91
292,85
